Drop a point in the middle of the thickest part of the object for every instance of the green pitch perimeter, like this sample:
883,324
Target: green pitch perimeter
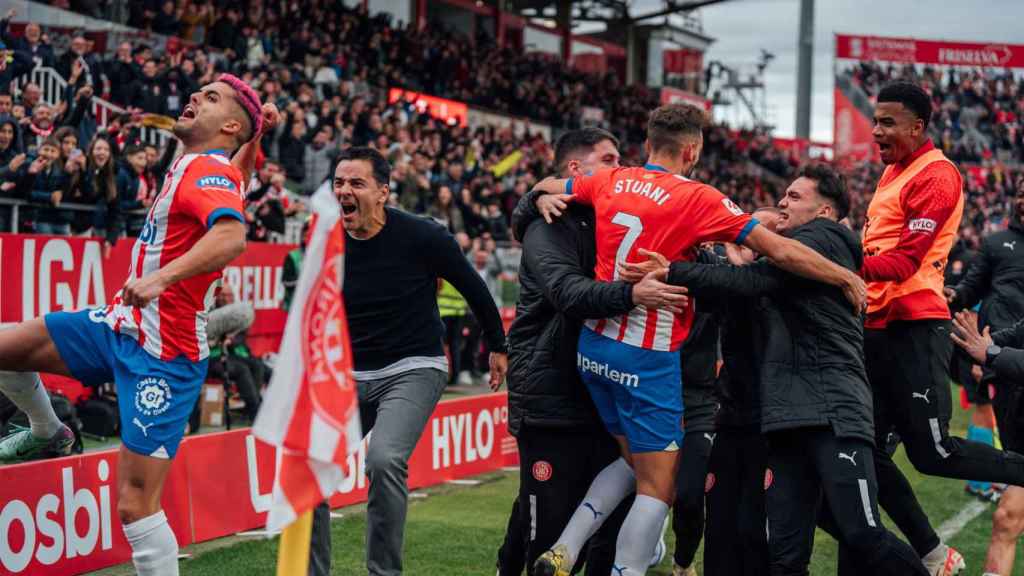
456,530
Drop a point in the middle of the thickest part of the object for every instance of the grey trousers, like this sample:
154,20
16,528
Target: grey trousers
396,409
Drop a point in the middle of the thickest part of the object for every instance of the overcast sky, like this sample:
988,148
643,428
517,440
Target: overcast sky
743,27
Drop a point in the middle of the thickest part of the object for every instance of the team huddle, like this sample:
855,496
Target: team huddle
833,349
749,374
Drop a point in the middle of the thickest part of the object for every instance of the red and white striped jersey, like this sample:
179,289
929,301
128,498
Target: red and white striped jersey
667,213
198,190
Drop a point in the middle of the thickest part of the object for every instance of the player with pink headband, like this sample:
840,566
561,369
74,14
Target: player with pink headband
151,339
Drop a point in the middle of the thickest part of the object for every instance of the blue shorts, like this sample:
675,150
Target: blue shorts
155,396
637,392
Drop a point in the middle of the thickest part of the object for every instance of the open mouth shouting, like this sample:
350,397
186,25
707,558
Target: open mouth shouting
189,113
349,207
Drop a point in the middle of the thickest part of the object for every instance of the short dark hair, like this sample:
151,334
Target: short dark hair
380,164
580,142
830,185
133,149
912,96
670,124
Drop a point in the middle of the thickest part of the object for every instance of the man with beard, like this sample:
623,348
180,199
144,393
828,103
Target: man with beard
562,444
151,339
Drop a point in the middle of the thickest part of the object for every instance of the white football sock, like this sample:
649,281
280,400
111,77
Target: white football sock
936,557
154,547
26,391
607,490
639,536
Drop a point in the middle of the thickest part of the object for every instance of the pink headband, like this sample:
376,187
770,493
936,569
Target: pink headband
247,98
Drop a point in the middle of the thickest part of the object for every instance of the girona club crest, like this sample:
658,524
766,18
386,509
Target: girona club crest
325,347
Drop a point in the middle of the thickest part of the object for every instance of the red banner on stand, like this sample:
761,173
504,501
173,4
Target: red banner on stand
911,50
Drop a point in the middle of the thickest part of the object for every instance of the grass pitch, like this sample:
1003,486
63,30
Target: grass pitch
456,530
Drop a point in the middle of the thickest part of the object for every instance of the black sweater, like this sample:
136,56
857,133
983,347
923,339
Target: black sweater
812,354
391,292
557,293
1009,365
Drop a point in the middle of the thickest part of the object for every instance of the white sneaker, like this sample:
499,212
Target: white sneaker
949,564
465,378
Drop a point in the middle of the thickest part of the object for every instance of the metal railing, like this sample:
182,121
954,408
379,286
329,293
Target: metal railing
17,205
53,87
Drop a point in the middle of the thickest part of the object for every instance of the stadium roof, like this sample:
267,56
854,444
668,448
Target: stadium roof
608,11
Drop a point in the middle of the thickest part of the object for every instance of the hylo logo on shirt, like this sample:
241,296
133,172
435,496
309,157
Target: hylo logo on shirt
732,207
215,182
922,225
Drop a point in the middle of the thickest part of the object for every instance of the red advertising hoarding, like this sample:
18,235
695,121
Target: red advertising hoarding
941,53
450,111
41,274
59,517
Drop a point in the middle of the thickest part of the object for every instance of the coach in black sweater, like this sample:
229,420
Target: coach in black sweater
393,261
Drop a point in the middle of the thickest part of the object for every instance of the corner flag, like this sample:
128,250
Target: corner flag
311,409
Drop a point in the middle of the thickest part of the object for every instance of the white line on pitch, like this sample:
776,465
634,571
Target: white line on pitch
954,525
464,482
337,515
259,533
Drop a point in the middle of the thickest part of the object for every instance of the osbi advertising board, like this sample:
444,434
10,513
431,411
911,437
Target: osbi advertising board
59,517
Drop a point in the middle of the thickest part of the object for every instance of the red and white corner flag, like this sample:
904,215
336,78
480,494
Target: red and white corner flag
311,409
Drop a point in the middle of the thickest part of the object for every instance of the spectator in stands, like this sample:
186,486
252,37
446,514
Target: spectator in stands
38,127
132,190
34,42
31,96
149,93
226,34
67,137
291,150
11,160
167,21
443,210
44,182
96,184
179,83
123,73
13,64
197,19
6,103
79,55
319,158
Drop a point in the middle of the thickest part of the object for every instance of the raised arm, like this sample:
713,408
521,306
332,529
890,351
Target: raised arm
711,281
792,256
245,158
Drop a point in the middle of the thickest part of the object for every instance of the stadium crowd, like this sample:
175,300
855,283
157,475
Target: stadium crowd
331,81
